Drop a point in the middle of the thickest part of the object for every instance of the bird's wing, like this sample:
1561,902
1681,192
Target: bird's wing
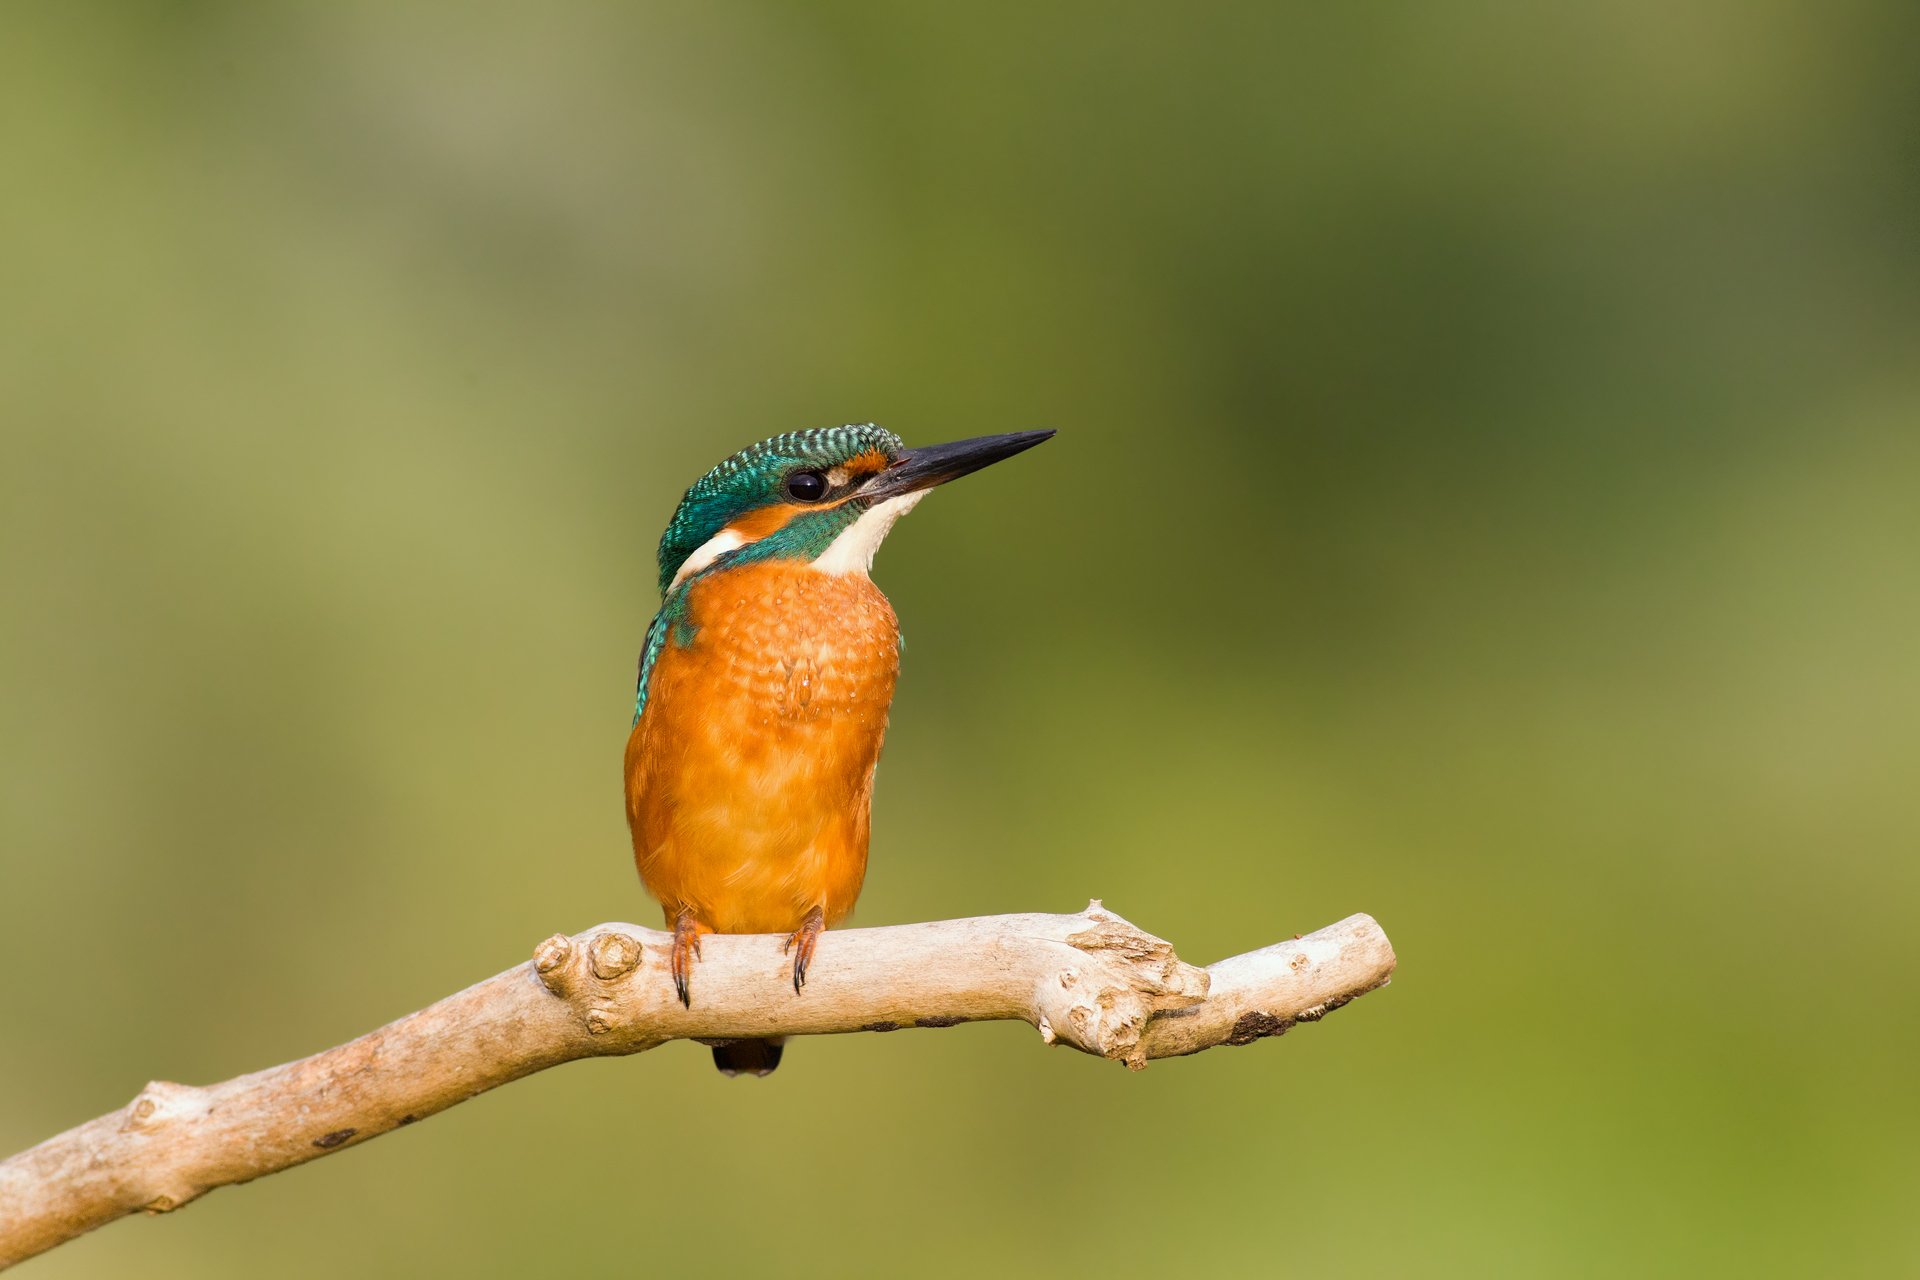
649,654
671,620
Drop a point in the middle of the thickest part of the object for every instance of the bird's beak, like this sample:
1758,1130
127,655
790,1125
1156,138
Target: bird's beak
919,469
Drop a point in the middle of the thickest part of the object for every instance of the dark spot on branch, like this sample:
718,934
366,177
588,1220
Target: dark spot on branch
1314,1015
938,1021
881,1026
1257,1026
328,1141
406,1120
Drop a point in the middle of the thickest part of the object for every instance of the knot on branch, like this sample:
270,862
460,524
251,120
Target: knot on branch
581,974
155,1106
1104,1003
154,1112
614,955
550,960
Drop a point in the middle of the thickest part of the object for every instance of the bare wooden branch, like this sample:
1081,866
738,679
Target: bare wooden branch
1090,980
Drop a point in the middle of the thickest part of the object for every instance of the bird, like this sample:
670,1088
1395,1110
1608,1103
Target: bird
765,685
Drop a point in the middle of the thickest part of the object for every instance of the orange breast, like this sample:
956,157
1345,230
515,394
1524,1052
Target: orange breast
750,773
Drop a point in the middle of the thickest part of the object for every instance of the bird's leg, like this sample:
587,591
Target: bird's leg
686,949
801,942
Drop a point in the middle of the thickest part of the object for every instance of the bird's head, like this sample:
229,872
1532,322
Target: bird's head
826,496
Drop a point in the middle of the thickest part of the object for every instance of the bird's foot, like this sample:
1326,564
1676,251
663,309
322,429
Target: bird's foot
686,949
801,943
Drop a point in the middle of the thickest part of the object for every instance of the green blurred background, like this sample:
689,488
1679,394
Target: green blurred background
1487,495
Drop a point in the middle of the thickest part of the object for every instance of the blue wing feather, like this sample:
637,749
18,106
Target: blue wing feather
672,617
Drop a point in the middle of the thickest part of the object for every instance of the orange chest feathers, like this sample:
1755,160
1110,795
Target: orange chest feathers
750,774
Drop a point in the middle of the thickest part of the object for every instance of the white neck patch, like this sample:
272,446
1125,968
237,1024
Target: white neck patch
706,553
852,552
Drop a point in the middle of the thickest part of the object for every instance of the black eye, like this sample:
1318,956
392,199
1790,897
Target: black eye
807,486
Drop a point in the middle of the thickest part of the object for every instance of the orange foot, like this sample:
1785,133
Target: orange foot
801,942
686,949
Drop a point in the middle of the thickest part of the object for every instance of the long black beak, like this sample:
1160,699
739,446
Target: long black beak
918,469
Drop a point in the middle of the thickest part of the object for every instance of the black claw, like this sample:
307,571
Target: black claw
686,949
802,942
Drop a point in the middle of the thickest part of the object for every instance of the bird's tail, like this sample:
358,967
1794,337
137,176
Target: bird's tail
748,1057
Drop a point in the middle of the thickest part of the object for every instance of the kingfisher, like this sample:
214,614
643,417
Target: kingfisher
765,683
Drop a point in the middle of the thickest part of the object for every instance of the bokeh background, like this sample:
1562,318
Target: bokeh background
1487,495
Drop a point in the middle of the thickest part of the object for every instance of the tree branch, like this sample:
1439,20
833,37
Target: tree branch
1090,980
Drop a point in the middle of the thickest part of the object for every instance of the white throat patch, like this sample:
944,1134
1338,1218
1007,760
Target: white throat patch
852,552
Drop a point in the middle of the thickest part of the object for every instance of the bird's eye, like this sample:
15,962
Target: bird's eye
806,486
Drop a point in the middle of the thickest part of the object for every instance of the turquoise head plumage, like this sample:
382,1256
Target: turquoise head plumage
784,475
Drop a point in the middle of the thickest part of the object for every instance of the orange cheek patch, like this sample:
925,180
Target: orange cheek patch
756,525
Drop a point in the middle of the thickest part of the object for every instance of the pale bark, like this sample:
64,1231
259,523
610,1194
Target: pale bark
1089,980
